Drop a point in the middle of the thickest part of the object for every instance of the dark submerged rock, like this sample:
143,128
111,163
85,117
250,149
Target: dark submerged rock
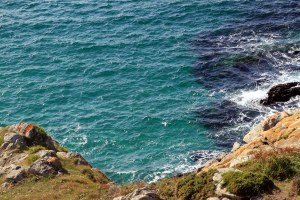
281,93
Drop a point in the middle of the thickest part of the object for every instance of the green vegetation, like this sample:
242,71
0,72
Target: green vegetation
34,149
278,167
61,149
3,130
32,158
247,183
41,137
89,173
42,132
167,187
195,187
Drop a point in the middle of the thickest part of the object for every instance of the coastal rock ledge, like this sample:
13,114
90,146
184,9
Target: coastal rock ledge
266,166
35,166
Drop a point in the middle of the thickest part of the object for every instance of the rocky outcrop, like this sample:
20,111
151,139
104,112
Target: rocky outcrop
220,191
141,194
48,164
78,159
276,133
27,150
282,93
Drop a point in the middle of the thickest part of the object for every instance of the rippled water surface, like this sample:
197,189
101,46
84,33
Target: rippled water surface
145,89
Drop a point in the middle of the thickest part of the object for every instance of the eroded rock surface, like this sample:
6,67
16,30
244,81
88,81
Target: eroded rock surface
141,194
27,150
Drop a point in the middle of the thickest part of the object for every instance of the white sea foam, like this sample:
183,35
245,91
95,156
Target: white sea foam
184,166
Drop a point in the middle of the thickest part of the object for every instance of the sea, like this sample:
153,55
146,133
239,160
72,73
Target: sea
146,89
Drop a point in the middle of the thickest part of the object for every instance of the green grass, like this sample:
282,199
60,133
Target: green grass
61,149
32,158
3,130
89,174
35,149
247,183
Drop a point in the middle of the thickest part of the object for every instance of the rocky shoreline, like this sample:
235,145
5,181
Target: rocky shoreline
268,159
30,158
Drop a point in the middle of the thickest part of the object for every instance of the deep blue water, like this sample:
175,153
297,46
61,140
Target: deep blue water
142,88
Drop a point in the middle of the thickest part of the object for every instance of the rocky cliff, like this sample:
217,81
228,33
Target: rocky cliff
35,166
265,166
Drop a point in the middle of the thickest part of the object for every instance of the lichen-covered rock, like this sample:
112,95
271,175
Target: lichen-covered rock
24,129
46,153
141,194
46,166
79,160
265,125
277,133
240,159
15,175
13,140
33,134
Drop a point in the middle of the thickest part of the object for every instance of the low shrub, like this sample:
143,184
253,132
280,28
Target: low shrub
279,168
196,187
247,183
167,187
41,130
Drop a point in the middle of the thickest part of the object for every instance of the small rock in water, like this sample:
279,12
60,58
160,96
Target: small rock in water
296,52
281,93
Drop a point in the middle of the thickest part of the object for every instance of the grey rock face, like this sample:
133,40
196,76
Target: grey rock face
240,159
15,175
141,194
12,141
46,166
46,153
79,159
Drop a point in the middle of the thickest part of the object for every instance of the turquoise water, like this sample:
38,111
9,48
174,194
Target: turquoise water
113,80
